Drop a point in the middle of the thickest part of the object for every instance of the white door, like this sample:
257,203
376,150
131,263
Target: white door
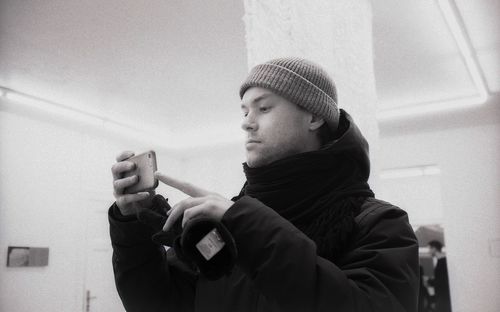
100,292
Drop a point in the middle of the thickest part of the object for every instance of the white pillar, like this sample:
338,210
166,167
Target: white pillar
335,34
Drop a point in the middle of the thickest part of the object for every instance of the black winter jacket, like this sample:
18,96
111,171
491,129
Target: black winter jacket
277,268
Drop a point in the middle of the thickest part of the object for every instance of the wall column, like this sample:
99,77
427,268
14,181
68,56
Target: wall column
335,34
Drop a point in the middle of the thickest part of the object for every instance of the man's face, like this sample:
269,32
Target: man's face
433,251
276,128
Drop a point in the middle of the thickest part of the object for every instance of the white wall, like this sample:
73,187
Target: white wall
466,147
39,207
218,168
55,182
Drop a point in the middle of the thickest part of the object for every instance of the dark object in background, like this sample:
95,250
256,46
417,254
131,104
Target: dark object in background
27,256
441,286
428,233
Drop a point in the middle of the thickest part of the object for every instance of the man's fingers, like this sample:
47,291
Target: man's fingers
182,186
173,215
120,167
178,210
124,155
120,184
195,211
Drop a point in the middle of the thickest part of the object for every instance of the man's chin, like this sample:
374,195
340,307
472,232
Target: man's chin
251,164
256,162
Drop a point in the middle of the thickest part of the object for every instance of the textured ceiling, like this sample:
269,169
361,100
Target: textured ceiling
177,65
169,65
417,59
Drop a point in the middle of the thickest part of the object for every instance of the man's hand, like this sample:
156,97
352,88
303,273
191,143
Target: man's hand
127,203
201,202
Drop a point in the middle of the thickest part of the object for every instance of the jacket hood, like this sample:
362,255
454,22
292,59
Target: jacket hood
351,142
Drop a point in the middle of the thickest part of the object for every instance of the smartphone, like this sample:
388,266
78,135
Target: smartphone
145,167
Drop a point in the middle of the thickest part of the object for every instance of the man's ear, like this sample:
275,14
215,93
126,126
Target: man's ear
316,122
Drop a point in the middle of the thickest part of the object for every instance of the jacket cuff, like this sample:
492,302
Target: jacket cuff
127,231
209,245
116,214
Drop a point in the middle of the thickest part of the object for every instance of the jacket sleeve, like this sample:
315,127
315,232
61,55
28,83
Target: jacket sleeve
147,277
378,273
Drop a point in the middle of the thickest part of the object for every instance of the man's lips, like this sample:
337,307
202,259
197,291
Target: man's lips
252,141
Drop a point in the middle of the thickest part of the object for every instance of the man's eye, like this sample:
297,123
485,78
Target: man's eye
264,109
245,114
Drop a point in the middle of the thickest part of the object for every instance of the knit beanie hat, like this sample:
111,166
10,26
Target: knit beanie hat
300,81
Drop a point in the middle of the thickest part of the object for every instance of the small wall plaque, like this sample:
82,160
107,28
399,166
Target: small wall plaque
27,256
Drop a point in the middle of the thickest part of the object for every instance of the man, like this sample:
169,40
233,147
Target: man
440,280
305,231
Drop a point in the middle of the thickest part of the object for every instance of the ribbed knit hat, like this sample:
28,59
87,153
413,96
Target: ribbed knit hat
300,81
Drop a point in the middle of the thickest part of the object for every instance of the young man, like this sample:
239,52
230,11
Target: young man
305,232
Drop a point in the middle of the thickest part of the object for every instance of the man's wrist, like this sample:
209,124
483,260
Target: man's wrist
124,214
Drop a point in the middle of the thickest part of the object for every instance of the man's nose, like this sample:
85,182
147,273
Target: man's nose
249,123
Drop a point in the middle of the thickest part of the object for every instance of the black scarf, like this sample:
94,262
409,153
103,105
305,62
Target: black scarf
321,191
